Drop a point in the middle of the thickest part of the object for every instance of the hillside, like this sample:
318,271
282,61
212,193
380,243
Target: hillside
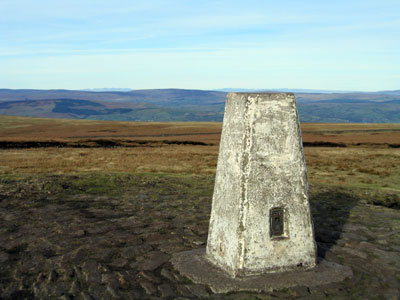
166,97
190,105
350,112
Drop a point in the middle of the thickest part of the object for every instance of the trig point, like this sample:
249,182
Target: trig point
261,233
260,218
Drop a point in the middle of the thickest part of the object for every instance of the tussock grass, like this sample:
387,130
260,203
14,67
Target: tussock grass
33,129
359,167
165,159
376,168
373,165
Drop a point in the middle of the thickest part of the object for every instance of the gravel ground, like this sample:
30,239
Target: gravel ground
61,240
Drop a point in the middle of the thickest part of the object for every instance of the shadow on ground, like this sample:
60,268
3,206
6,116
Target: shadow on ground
330,210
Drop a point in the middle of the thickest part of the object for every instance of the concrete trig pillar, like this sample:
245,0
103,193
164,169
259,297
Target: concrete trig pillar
260,219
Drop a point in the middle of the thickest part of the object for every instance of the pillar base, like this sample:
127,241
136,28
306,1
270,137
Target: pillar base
194,265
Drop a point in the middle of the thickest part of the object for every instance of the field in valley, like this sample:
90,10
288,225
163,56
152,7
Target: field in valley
94,209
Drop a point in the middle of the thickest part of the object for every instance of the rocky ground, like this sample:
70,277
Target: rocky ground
111,237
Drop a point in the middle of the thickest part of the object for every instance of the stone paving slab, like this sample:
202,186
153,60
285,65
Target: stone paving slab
195,265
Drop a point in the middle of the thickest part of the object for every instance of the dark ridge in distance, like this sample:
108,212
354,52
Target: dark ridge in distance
144,136
350,131
104,143
323,144
93,144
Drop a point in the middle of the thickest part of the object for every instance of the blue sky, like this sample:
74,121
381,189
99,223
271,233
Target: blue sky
77,44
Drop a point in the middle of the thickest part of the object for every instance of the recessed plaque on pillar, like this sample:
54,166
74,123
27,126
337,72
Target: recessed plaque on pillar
261,234
260,218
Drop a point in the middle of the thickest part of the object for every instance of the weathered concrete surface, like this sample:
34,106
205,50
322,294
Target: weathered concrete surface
261,168
195,265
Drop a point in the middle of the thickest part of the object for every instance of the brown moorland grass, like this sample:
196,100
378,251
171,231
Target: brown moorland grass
372,165
39,129
165,159
348,133
360,167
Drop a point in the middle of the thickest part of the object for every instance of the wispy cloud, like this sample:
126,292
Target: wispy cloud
292,39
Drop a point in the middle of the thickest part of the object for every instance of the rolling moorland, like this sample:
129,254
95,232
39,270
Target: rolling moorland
166,105
95,209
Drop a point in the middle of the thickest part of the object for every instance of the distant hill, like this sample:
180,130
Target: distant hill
390,92
190,105
168,97
283,90
350,112
108,90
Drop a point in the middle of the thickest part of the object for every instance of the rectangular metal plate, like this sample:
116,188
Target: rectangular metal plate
276,218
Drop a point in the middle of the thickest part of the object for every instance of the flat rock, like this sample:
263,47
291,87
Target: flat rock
78,233
197,290
3,256
154,260
150,276
118,263
75,288
166,290
168,275
91,271
133,251
194,265
149,288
